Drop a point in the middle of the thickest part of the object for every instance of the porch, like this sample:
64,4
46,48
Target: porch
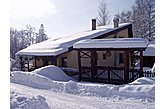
131,48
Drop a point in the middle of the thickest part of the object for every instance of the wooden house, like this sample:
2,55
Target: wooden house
60,52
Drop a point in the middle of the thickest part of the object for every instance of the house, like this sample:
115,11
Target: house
60,52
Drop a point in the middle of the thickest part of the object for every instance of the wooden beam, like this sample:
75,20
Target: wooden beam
21,62
93,65
141,64
109,76
126,66
28,64
35,61
111,49
79,65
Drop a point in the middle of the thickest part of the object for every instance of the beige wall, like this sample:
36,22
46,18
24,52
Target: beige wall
123,33
39,62
72,59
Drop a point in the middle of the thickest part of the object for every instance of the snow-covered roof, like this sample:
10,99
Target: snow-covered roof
150,50
112,43
62,45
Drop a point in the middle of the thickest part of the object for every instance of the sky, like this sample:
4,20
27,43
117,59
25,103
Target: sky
60,17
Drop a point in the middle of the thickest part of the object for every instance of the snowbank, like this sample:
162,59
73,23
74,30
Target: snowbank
143,80
52,72
142,88
18,101
31,79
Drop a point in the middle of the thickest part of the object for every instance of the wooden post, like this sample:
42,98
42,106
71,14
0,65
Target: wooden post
126,66
35,61
28,64
21,62
141,64
55,60
79,65
92,65
108,76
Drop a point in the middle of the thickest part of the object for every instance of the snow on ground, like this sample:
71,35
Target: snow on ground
20,101
72,95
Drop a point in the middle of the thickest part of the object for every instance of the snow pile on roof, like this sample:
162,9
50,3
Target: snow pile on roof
112,43
52,72
62,45
18,101
150,50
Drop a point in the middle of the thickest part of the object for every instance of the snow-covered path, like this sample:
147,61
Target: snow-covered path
59,100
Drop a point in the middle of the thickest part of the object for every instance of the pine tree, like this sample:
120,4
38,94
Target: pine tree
41,36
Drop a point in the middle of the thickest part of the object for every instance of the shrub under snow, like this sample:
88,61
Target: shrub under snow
18,101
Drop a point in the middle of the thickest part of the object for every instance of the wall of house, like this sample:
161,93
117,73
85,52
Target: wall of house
109,61
121,34
38,61
73,59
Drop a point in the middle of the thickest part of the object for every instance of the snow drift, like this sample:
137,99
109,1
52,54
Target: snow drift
18,101
142,88
52,72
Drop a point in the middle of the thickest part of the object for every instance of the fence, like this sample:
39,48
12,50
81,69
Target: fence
149,74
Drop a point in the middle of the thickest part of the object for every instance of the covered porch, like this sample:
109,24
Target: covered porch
131,48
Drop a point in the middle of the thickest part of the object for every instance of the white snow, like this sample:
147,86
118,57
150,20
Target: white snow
61,45
112,43
52,72
31,89
143,80
150,50
20,101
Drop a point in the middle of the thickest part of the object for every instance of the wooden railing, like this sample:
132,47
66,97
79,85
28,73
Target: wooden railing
149,74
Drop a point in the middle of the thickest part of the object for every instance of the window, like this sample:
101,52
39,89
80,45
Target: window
104,56
121,58
64,61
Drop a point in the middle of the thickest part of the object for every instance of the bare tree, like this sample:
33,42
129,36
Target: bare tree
20,39
30,31
103,14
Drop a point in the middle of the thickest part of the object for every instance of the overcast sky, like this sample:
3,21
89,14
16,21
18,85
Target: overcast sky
60,17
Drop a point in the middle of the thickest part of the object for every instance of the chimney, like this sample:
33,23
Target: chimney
116,21
93,24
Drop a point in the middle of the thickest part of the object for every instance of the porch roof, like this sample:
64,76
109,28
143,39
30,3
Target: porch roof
115,43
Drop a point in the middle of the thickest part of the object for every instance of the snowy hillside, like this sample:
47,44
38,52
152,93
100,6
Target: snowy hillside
39,90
